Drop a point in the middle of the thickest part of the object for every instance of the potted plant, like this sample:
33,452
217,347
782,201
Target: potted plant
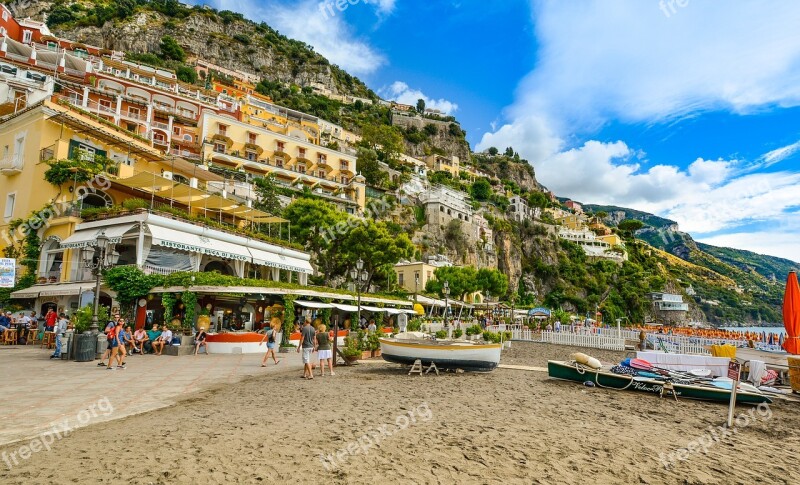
351,350
374,344
441,334
457,333
474,332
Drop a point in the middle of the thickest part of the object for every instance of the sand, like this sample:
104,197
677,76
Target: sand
508,426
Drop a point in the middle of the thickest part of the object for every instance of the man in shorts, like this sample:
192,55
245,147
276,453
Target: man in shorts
308,341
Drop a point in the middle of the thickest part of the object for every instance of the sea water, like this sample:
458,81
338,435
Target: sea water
778,330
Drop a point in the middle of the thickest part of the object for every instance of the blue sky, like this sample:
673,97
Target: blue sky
690,112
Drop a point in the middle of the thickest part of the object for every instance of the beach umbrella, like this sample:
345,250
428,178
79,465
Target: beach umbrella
791,314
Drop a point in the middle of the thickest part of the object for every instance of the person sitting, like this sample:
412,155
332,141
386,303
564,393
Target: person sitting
200,340
139,339
371,328
163,340
152,336
5,322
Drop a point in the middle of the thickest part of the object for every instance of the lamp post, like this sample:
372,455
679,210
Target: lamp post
359,277
416,286
446,293
98,257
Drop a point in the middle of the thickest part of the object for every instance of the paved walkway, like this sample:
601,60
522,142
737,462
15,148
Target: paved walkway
36,392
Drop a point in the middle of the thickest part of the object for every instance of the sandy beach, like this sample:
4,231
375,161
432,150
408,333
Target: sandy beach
372,423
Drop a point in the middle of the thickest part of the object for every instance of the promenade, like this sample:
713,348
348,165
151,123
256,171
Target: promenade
38,392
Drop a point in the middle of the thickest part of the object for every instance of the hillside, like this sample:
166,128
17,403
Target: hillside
222,37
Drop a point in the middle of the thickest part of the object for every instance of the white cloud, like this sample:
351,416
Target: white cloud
306,21
627,62
402,93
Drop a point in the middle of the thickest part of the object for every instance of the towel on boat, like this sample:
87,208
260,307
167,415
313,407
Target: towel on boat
758,370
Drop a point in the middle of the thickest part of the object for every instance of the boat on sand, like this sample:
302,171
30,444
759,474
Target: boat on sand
702,389
405,348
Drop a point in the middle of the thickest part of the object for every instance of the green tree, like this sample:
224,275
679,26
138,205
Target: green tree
430,129
186,74
462,280
420,105
538,199
493,151
385,140
509,152
492,280
630,226
267,191
375,244
481,189
311,221
171,50
369,166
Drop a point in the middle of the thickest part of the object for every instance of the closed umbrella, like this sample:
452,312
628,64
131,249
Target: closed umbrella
791,314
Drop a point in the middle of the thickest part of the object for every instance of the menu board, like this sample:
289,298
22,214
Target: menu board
7,272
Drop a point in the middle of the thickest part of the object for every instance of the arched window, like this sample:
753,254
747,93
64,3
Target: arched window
93,198
51,260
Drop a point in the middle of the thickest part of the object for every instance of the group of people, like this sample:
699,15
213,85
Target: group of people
53,322
121,342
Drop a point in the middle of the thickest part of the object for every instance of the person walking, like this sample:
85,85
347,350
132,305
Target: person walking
114,344
269,336
59,329
324,348
109,327
308,341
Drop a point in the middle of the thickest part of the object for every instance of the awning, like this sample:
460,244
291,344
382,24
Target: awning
81,239
274,260
183,193
171,238
373,309
345,308
312,304
65,289
68,289
31,292
146,181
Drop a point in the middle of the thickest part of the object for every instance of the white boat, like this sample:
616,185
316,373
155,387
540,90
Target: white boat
446,354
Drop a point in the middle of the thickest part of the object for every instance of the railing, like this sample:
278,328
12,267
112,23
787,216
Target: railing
580,340
74,72
159,125
13,162
149,269
134,116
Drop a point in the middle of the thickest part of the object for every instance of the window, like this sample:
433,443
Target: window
10,201
176,130
322,159
27,36
3,30
301,168
344,165
280,146
223,130
251,138
133,112
219,147
5,15
345,180
279,162
301,152
400,279
251,156
321,174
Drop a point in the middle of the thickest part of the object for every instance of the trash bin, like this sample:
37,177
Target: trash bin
85,347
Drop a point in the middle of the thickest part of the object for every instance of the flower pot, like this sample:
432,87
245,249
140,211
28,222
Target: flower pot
351,359
366,354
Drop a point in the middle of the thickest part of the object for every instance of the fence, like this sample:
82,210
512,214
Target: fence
584,340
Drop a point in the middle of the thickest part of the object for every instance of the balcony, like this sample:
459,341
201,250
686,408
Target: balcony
160,125
160,142
12,164
134,116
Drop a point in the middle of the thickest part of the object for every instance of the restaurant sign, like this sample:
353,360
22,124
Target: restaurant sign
8,272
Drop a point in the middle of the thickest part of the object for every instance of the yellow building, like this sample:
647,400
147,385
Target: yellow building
612,239
413,276
439,163
294,160
258,111
571,221
150,239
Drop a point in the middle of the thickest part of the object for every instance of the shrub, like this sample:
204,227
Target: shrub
83,318
457,333
414,325
474,330
135,203
441,334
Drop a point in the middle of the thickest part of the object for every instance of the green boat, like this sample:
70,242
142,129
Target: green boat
572,371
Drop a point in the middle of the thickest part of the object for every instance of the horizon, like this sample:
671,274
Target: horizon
655,108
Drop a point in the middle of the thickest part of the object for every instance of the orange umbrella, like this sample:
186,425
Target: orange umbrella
791,314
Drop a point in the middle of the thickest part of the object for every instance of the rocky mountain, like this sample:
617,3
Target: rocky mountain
222,37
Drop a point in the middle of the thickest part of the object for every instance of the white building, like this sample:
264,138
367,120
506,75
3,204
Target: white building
519,210
591,244
443,204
